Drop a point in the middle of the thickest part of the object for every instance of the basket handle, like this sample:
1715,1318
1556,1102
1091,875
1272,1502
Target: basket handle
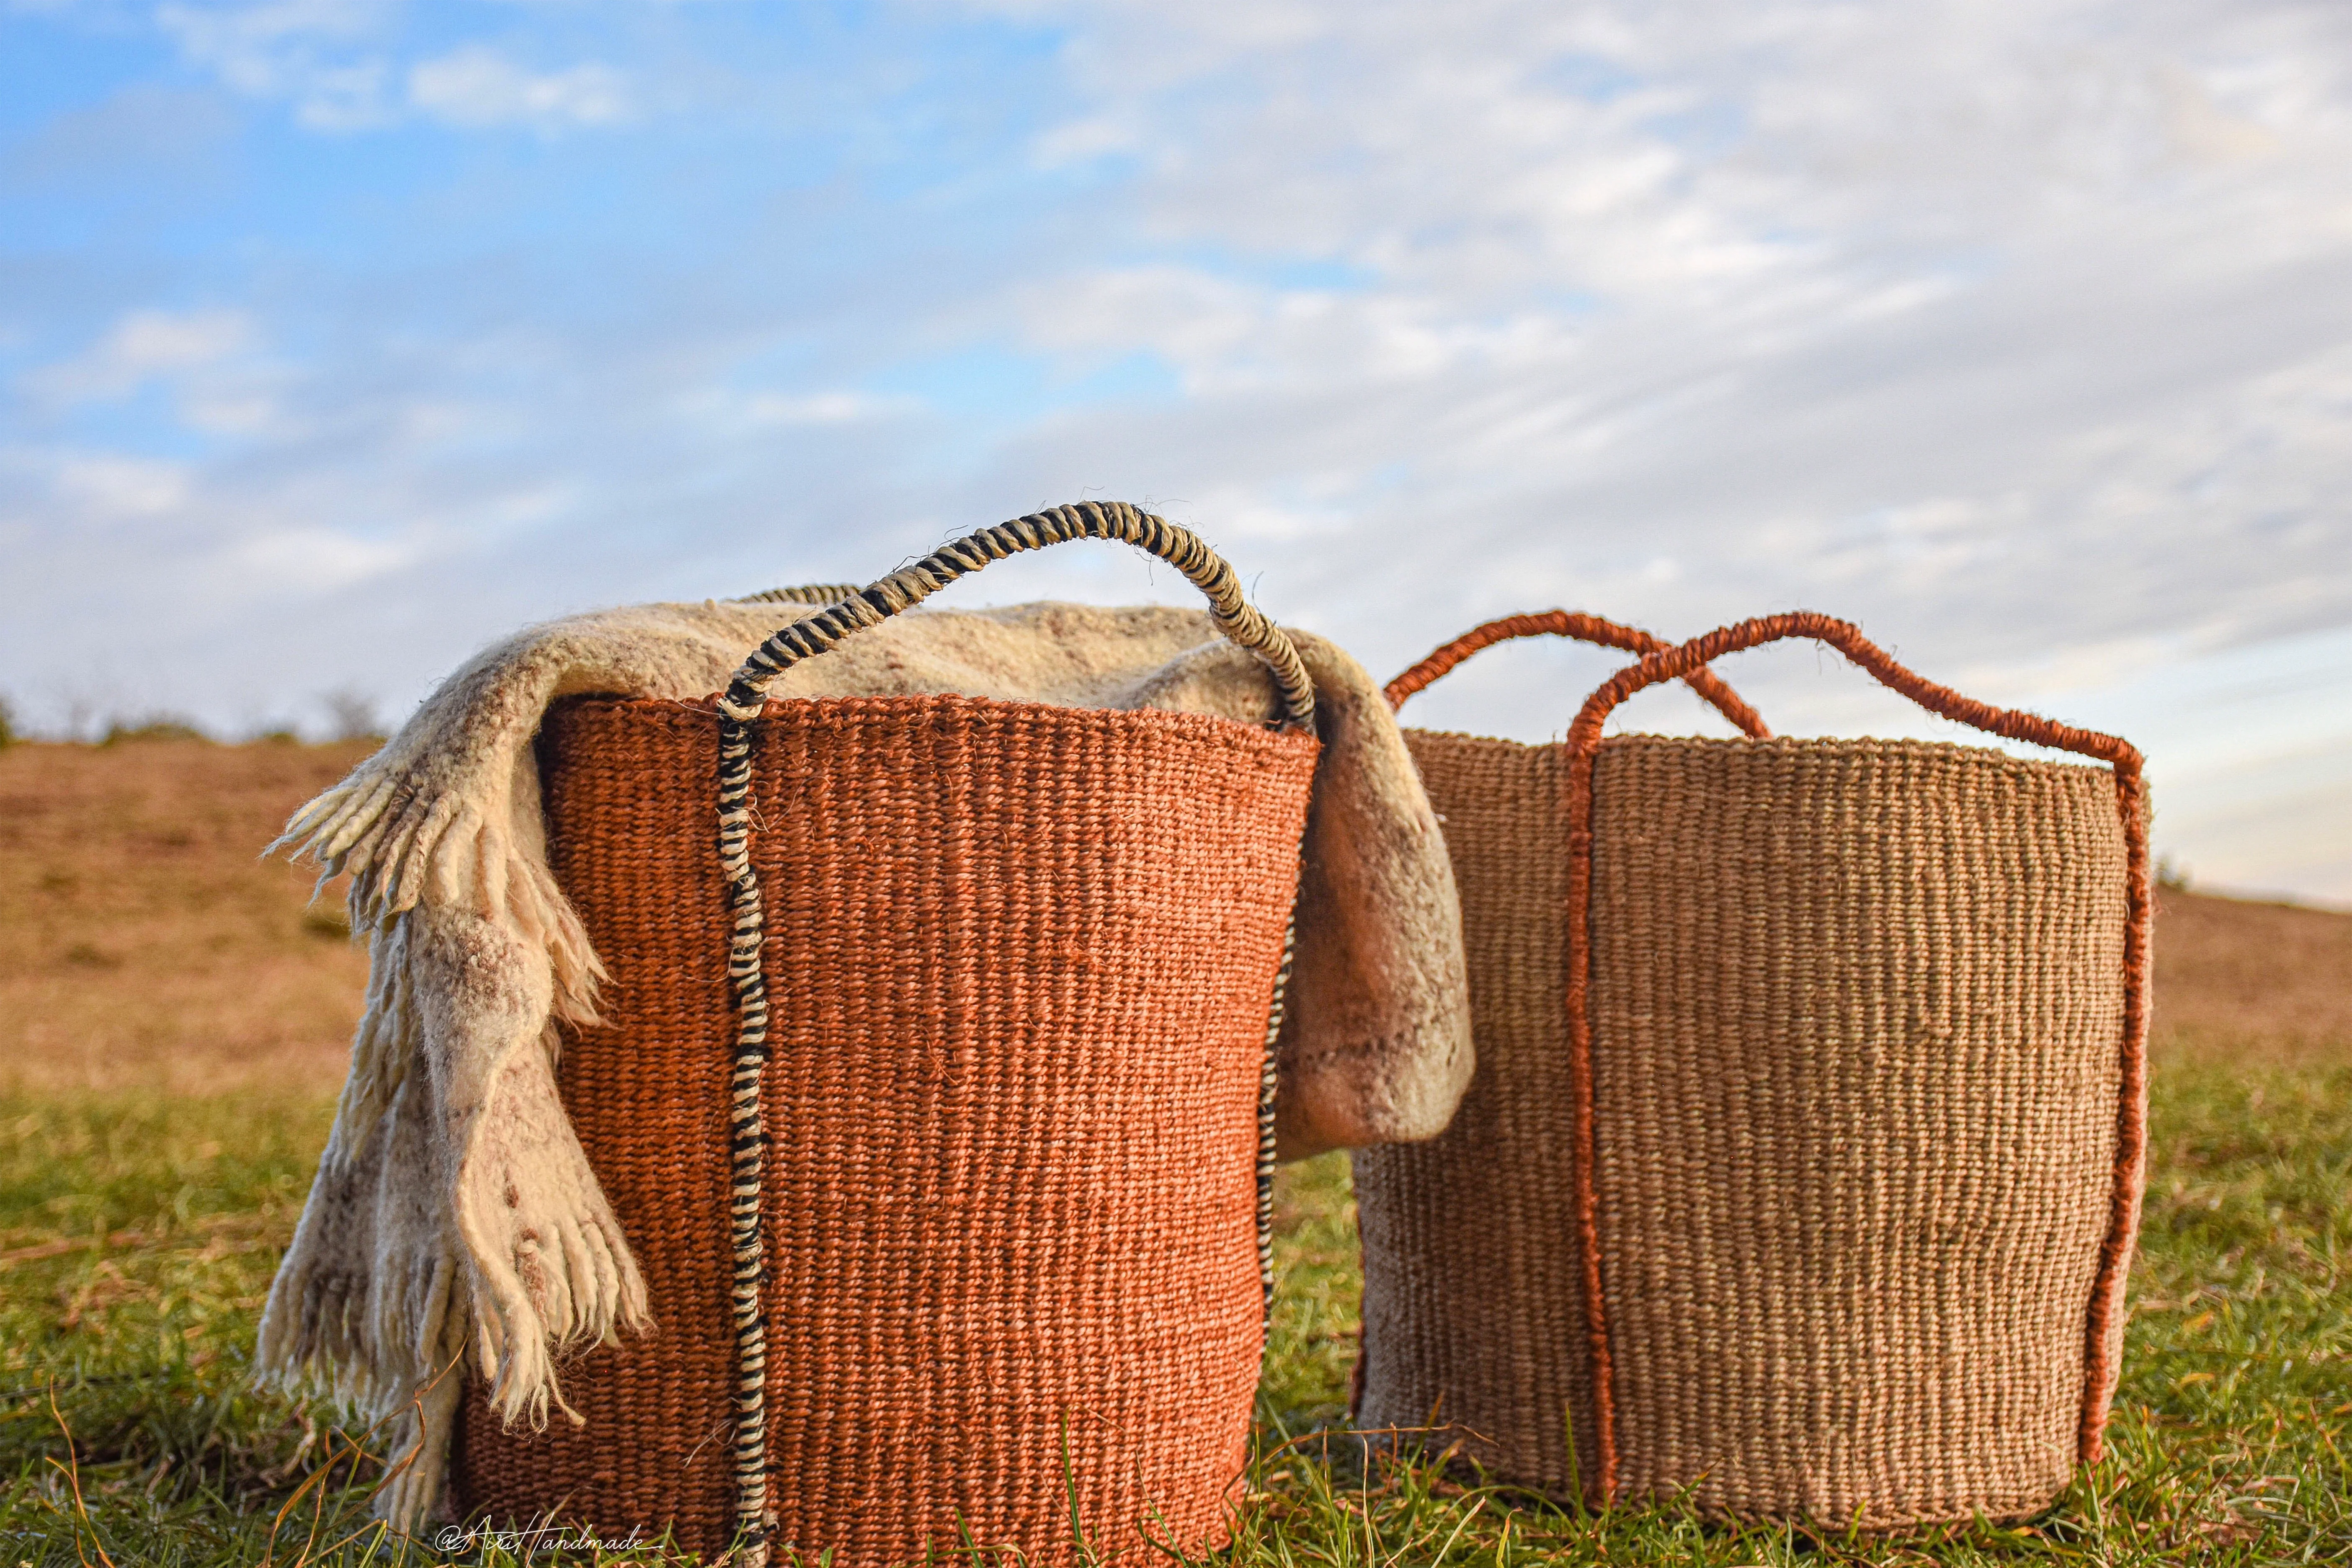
1584,628
1583,742
1670,663
1235,617
801,593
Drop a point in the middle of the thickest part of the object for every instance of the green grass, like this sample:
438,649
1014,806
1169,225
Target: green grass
137,1239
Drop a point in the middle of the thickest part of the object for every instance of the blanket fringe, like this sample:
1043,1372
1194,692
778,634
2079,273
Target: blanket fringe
387,1300
418,1464
546,1253
398,843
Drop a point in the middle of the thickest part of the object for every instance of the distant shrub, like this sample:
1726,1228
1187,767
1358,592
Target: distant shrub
7,725
352,713
331,923
152,727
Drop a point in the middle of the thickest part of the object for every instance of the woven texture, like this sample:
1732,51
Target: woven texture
1854,1009
1474,1313
1020,960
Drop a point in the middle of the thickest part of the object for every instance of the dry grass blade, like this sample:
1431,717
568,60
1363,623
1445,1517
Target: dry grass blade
71,1470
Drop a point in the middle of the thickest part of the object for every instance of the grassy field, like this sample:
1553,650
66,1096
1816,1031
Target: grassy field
156,1140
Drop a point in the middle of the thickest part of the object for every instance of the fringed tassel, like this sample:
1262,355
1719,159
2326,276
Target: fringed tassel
402,844
442,1209
418,1467
550,1267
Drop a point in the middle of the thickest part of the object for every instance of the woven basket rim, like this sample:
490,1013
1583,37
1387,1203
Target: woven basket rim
909,704
1881,744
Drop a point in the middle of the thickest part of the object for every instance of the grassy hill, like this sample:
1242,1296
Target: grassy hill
173,1019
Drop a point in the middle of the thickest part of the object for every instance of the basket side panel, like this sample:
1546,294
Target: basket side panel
1474,1314
632,840
1856,1008
1022,961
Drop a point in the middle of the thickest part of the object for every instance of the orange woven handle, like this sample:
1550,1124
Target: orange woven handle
1584,628
1584,740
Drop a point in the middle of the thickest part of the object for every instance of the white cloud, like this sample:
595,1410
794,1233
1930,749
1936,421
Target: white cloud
210,361
821,408
323,55
1079,141
143,346
478,87
308,559
338,63
108,487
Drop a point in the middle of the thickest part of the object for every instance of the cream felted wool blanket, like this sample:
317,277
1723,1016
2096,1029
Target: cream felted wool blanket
455,1221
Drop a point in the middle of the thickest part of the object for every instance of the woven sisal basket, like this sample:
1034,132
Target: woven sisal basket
1799,1173
948,1188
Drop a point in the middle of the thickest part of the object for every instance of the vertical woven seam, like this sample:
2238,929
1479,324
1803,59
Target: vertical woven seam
747,1138
1602,1491
2099,1373
1583,741
1582,628
1269,1080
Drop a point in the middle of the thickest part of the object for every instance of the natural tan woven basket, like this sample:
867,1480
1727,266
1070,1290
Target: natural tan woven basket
948,1189
1801,1169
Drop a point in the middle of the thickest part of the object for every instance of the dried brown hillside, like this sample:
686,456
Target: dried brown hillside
143,942
2273,981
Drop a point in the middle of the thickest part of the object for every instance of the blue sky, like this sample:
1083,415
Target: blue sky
337,337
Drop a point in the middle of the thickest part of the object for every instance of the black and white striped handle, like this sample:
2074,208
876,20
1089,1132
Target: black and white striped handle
856,609
818,594
1181,548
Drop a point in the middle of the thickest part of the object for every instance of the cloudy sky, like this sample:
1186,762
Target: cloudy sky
337,337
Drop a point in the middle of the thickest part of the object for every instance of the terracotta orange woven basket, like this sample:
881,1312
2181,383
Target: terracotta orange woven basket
933,1096
1799,1173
